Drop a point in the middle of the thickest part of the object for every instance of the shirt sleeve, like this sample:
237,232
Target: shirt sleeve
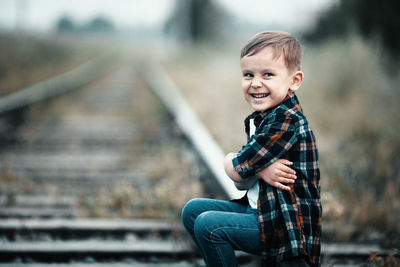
265,147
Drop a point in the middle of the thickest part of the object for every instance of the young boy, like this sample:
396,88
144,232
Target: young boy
280,216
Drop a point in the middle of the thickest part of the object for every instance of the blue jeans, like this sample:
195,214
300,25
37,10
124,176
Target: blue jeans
219,227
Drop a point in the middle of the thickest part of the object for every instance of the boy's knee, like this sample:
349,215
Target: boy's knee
201,225
189,211
205,225
189,207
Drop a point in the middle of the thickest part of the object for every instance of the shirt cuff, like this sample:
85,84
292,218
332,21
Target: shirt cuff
243,169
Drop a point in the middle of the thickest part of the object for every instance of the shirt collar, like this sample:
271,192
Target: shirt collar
289,102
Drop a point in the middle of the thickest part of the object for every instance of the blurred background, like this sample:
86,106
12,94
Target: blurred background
350,93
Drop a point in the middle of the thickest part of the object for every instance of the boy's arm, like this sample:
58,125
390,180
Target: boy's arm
235,177
230,170
246,184
273,141
277,174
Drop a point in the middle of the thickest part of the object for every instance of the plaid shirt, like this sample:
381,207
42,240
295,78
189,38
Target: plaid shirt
290,221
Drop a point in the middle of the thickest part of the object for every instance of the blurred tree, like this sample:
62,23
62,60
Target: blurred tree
371,18
65,25
196,21
100,25
97,25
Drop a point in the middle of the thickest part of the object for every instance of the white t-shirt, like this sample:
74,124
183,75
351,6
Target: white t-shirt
252,194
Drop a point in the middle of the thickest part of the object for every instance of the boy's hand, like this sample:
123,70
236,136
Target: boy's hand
278,173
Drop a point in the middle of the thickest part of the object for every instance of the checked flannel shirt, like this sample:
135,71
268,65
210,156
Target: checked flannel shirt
290,221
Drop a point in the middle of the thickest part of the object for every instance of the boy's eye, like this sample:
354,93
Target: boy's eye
268,74
247,75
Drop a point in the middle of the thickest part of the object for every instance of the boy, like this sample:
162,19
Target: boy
280,216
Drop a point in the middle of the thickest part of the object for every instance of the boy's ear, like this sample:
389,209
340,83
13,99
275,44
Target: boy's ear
297,79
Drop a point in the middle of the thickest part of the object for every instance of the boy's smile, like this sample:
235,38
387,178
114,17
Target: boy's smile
266,80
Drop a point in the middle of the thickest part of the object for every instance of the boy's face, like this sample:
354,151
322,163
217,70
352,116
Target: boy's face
266,81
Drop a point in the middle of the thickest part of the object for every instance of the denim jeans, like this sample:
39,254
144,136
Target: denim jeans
219,227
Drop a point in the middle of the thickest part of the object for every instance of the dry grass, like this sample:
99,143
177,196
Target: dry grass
210,81
26,60
351,103
355,110
167,170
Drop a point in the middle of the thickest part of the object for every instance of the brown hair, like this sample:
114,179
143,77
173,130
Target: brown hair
280,42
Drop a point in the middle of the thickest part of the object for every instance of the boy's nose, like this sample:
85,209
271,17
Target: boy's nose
256,83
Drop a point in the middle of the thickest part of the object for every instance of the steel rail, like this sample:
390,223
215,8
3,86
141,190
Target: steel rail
57,85
165,88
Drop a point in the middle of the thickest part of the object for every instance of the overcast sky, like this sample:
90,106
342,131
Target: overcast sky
42,14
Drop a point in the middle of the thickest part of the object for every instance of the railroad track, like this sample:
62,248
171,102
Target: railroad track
97,151
93,240
87,179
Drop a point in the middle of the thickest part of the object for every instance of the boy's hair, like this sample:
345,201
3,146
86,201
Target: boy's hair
280,42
